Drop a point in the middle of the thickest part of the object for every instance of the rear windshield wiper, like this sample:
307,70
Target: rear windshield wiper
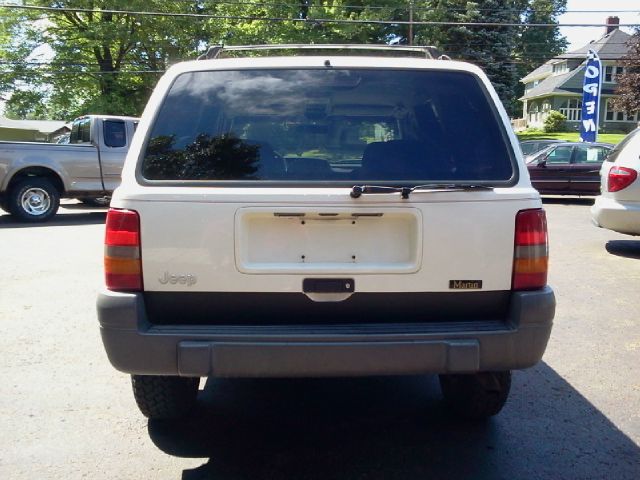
358,190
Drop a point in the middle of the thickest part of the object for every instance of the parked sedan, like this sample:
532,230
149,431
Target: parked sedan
568,168
618,207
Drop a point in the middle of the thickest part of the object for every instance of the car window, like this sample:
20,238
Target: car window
560,154
81,131
115,133
620,146
589,154
529,148
328,125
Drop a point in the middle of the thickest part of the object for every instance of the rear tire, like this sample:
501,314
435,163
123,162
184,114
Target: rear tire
476,396
34,199
164,397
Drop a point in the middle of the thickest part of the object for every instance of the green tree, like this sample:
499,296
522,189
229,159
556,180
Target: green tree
490,47
103,61
95,61
505,53
302,26
536,45
629,82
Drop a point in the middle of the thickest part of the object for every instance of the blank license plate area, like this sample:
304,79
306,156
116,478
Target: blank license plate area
326,241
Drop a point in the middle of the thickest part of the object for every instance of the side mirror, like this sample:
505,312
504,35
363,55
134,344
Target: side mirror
542,162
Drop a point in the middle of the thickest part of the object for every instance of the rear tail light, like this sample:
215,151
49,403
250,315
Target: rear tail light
620,178
122,265
531,253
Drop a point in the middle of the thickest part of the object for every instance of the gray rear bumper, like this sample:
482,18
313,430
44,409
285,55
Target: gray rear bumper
133,345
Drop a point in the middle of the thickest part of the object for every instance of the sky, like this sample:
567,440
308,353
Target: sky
580,36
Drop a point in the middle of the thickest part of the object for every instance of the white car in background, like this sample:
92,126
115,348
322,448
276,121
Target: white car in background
618,206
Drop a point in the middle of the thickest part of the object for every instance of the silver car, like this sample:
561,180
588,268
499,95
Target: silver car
618,206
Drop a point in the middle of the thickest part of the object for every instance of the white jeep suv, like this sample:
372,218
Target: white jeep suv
325,215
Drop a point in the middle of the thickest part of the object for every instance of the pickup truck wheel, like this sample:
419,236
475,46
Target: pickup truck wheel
164,397
34,200
476,396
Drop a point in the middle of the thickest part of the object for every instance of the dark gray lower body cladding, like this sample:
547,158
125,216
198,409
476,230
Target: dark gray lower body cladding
318,359
515,340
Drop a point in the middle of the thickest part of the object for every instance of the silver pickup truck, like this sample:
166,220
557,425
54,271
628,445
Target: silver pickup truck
34,176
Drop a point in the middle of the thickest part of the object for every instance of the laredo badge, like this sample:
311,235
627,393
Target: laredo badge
465,284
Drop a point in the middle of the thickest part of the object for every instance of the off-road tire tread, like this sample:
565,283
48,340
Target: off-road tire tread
466,395
164,397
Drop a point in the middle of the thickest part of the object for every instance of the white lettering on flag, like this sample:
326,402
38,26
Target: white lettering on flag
591,98
589,125
591,88
592,72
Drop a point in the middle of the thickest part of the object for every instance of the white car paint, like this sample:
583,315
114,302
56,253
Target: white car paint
203,231
620,211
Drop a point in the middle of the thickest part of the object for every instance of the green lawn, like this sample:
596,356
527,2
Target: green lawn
569,136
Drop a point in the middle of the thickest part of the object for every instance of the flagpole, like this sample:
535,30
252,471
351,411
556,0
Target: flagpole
591,90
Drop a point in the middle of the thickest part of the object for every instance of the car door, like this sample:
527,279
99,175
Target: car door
585,169
550,171
113,149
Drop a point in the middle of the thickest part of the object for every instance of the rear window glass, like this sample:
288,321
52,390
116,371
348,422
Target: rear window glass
620,146
115,133
328,125
81,131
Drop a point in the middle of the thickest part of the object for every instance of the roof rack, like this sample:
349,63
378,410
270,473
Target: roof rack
428,51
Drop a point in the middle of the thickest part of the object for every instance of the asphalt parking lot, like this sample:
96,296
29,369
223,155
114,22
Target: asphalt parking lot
66,413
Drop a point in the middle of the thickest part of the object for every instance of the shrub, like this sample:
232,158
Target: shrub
554,122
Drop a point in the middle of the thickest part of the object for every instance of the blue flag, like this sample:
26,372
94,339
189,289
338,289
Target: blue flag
591,98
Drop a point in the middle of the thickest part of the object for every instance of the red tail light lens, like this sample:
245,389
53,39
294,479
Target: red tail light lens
122,265
620,178
531,253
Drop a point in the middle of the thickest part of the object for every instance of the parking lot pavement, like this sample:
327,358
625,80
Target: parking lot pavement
65,413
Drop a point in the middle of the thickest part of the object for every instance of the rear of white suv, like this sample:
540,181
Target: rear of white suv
325,216
618,206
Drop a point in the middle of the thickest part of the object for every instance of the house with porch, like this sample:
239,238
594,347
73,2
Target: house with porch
557,85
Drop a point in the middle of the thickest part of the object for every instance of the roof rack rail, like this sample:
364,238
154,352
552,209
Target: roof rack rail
216,51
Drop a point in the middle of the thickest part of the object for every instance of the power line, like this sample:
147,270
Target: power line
297,6
405,7
311,20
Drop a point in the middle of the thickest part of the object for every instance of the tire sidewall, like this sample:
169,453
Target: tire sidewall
15,205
